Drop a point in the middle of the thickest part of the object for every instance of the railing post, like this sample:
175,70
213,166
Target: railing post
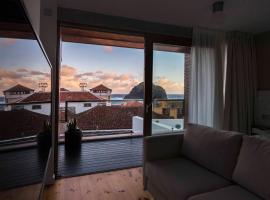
66,110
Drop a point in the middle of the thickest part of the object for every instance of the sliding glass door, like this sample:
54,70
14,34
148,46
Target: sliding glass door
165,68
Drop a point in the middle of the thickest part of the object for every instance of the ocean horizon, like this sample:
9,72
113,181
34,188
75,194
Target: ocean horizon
170,96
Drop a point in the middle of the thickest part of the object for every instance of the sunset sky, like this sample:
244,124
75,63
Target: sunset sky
120,69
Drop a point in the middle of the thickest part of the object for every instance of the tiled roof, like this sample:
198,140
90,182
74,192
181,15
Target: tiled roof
37,97
108,117
63,90
132,104
19,123
100,87
19,88
78,96
64,96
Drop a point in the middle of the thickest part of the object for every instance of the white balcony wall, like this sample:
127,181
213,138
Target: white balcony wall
158,125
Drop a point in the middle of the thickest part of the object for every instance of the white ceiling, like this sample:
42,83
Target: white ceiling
243,15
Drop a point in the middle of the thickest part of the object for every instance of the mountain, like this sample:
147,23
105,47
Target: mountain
137,92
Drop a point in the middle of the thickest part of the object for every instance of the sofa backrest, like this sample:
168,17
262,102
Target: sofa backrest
253,167
214,149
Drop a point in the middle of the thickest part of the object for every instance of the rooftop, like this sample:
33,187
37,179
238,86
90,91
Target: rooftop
64,96
101,87
108,117
19,88
18,123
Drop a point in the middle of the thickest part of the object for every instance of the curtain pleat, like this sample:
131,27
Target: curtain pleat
240,82
206,86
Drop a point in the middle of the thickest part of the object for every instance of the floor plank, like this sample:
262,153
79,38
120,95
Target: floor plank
116,185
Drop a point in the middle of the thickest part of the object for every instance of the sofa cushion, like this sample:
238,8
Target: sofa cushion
228,193
180,178
253,167
214,149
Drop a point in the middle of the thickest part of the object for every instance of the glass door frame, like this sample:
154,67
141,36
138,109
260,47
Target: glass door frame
150,40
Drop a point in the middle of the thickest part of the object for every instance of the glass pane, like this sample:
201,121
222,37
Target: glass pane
25,103
168,89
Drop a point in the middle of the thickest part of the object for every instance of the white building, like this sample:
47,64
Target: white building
102,92
75,101
17,93
20,97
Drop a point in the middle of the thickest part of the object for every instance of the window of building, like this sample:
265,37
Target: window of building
36,107
166,111
87,104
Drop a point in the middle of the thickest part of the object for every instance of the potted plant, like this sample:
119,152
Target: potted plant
73,136
44,138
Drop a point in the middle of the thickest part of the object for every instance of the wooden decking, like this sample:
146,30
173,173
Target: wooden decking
117,185
21,167
25,166
30,192
100,156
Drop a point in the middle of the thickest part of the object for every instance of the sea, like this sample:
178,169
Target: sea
118,99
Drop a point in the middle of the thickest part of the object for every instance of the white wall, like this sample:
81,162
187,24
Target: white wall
33,11
45,108
80,106
162,126
48,28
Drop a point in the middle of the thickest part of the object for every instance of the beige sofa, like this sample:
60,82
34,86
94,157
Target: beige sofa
207,164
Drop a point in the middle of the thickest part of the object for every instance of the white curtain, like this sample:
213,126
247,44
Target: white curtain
240,82
207,72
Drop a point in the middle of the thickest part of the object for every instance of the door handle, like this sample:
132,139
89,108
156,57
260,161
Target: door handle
148,106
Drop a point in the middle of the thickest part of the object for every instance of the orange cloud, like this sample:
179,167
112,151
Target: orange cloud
108,49
68,70
7,41
170,86
25,76
119,83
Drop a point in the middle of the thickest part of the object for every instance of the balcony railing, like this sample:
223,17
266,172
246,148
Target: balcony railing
123,116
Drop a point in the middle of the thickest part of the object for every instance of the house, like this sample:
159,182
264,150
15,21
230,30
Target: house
17,93
102,91
75,101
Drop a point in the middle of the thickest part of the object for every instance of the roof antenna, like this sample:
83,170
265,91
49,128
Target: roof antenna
42,86
83,86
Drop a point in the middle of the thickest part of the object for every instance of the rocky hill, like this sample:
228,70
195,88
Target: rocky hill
137,92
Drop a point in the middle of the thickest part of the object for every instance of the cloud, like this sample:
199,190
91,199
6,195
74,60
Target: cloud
119,83
7,41
67,70
108,49
25,76
169,85
70,79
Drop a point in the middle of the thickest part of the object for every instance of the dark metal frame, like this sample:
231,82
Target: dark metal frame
150,39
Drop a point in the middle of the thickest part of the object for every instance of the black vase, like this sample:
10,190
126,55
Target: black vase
73,139
44,141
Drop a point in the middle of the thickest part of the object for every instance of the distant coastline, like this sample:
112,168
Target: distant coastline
170,96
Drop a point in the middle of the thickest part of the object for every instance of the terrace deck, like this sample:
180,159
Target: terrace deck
25,166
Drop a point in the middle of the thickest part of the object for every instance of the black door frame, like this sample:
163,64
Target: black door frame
150,40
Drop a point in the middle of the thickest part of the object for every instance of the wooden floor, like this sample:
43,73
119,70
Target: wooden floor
116,185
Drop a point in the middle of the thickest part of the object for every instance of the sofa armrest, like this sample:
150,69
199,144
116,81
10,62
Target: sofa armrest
160,147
